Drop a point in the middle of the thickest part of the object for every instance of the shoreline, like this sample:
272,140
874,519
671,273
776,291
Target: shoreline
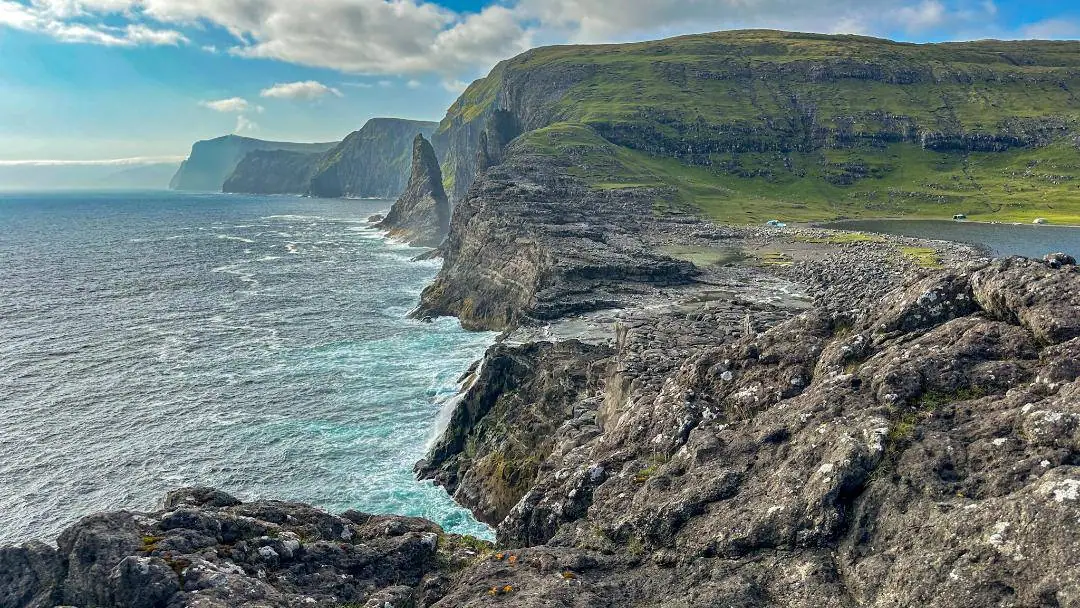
823,224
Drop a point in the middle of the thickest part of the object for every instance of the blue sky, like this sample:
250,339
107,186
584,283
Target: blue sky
92,80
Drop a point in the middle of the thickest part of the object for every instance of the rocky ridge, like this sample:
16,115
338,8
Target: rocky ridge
421,216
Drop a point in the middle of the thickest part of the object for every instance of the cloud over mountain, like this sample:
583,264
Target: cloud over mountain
412,37
230,105
309,90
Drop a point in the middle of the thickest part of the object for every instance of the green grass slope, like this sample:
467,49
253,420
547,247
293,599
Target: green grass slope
753,125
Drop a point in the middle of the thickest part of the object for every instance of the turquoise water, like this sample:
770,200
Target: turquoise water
255,344
1002,239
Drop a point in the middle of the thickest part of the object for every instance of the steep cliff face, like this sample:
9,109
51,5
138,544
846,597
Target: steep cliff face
372,162
421,216
811,126
505,425
212,162
273,172
530,243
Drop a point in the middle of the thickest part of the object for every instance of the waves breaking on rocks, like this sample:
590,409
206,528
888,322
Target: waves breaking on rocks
255,344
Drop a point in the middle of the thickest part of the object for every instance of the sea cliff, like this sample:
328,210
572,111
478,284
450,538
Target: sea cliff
421,217
211,162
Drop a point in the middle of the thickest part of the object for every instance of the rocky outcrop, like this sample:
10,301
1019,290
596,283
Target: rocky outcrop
421,216
532,243
505,425
834,459
205,548
212,162
373,162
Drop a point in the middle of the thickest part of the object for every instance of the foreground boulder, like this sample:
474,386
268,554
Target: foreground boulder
421,216
205,548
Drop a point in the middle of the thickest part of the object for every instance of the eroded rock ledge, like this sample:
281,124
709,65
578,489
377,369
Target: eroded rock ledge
205,548
530,243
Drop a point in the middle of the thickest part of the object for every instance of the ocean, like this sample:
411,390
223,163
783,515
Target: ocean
259,345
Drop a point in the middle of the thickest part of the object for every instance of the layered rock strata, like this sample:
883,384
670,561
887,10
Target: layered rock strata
421,216
532,243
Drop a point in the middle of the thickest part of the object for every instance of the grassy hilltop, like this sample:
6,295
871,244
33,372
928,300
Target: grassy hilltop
752,125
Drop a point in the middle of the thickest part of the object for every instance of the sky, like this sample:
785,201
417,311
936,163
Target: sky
132,81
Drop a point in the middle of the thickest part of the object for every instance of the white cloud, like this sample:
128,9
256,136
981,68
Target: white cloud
51,17
117,162
244,125
141,34
309,90
1052,29
925,15
414,84
409,38
232,104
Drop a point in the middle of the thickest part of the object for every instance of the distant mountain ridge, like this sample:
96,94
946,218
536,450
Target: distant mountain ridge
373,162
212,161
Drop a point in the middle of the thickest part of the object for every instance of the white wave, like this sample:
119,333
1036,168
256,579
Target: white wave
229,237
447,407
302,218
237,271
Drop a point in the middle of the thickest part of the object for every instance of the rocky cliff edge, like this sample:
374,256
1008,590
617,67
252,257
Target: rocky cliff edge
421,216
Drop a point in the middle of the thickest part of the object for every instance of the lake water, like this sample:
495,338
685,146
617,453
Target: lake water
259,345
1002,239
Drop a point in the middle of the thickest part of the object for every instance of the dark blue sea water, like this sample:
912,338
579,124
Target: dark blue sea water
254,344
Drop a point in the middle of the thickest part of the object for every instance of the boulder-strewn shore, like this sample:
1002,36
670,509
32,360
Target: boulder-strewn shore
677,414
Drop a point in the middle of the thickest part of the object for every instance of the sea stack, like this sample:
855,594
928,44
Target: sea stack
422,215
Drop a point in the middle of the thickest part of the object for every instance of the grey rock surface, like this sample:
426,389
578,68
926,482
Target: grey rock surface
531,243
920,451
421,216
205,548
